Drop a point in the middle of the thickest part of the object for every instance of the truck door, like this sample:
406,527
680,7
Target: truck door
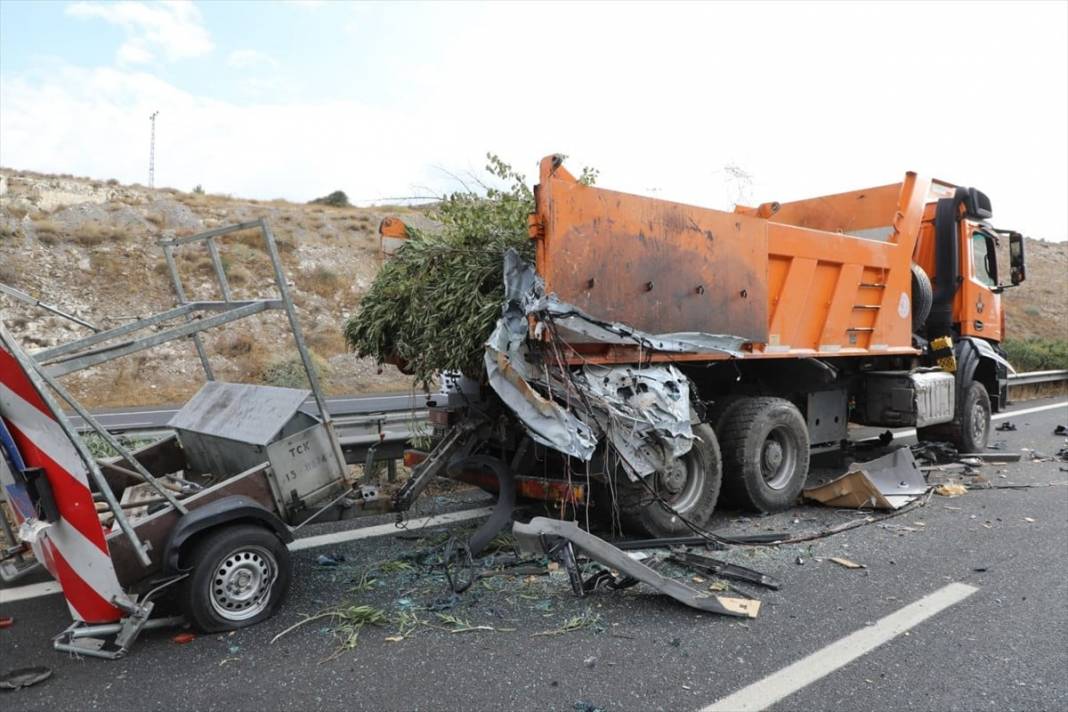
980,313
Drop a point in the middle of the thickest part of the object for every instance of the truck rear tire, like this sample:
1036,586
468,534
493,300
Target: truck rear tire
690,490
970,428
765,454
240,576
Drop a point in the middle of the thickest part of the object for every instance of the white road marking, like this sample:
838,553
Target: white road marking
904,433
386,529
764,693
10,595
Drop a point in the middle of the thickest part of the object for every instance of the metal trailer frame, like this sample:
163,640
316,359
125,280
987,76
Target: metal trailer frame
43,369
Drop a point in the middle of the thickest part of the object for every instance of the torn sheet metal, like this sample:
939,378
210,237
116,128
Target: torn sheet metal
509,373
530,539
888,482
645,412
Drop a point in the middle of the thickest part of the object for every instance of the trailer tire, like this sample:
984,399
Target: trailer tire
970,428
690,491
765,454
239,576
922,298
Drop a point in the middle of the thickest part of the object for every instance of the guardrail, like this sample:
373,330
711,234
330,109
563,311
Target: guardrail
1033,377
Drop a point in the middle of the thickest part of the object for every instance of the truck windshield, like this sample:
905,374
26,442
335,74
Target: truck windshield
980,259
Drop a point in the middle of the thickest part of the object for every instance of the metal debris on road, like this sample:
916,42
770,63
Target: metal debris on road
1006,427
24,677
715,567
888,482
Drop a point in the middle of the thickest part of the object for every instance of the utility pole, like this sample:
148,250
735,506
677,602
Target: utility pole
152,152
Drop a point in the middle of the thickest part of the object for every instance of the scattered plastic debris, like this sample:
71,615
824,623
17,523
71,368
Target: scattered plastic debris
1030,520
1006,427
847,563
329,559
183,638
24,677
6,621
1061,430
951,490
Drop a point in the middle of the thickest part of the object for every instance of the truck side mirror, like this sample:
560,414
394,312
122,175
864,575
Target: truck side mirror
1018,272
977,205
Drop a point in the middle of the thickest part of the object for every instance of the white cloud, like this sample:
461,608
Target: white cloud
249,59
173,28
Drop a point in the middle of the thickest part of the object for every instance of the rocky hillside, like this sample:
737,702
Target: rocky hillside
89,247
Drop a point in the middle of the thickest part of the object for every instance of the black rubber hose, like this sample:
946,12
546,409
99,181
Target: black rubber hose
947,264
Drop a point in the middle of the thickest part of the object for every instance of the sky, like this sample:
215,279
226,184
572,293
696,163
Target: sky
707,104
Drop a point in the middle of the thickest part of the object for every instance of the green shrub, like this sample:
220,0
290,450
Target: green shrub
337,199
435,301
1037,354
288,371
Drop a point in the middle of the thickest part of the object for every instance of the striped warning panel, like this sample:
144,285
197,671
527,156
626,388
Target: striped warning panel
73,549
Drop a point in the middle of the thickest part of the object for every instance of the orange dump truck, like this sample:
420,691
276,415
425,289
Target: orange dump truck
657,352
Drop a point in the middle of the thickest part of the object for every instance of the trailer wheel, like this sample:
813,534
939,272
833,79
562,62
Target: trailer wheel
765,453
970,428
240,576
690,488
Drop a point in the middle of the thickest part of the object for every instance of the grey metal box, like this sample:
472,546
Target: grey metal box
919,398
227,428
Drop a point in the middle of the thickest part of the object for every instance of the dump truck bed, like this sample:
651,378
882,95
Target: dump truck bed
826,277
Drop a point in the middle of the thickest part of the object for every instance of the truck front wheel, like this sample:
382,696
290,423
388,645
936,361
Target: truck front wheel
689,489
970,428
765,453
239,577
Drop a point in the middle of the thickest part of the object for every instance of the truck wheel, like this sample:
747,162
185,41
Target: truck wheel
690,488
765,453
720,411
922,298
240,576
970,429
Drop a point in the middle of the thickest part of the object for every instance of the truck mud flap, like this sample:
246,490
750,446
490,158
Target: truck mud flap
530,537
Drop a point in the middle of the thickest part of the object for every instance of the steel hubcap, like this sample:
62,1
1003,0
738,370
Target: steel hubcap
675,478
241,586
978,422
778,458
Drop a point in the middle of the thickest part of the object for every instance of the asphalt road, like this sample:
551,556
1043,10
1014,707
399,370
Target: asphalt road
153,417
1001,648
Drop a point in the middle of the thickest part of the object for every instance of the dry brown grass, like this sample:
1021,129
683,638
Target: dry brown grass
46,231
94,234
236,344
321,280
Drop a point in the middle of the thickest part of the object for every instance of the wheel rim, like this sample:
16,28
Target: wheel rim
241,584
978,423
778,458
684,481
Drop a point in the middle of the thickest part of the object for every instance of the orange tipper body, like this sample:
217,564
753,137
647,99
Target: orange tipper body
823,277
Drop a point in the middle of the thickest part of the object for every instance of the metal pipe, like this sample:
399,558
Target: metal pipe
172,267
39,379
23,297
214,232
48,354
298,338
220,273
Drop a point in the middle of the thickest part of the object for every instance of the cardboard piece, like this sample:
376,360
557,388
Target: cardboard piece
888,482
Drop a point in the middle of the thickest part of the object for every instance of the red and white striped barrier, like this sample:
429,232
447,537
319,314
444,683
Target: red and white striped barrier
73,549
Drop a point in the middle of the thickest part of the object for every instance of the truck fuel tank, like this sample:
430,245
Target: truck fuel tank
897,398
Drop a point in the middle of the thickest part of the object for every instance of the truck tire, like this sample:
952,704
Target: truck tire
239,576
765,454
690,491
970,428
720,411
922,298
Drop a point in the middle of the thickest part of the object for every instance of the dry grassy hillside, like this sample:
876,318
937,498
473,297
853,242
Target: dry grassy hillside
90,247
